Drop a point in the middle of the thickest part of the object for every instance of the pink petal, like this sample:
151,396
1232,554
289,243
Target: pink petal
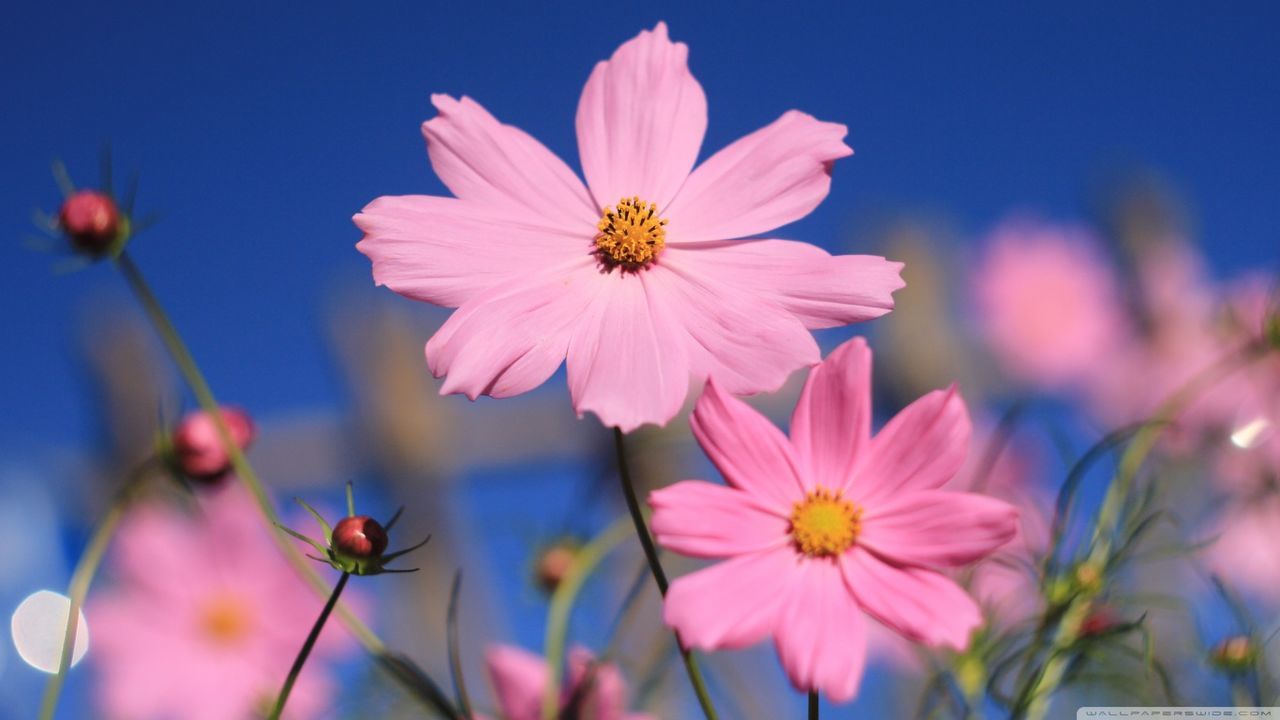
731,604
519,680
935,527
774,176
702,519
821,634
820,289
831,424
924,605
627,362
511,338
746,342
606,696
499,166
752,454
640,121
445,251
921,448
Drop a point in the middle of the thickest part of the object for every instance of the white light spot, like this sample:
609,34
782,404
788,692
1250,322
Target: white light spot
1248,435
39,626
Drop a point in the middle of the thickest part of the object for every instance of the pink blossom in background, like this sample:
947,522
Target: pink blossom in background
828,525
1048,302
206,618
641,279
520,680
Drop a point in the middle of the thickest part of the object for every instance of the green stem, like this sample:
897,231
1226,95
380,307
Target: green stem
659,575
204,396
85,570
813,705
584,562
306,647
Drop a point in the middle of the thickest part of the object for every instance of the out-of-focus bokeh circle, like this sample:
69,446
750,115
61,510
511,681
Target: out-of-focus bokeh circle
39,625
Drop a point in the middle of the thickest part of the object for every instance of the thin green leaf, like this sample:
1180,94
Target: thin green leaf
455,654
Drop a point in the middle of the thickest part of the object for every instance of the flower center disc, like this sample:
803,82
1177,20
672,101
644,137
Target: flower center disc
824,524
631,234
225,620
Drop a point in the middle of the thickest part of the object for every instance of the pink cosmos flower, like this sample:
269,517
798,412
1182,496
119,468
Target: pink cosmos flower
206,618
828,525
520,679
640,280
1048,302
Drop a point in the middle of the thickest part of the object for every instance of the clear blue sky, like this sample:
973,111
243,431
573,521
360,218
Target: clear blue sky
259,130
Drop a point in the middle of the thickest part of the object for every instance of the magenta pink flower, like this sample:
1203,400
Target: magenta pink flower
638,280
206,618
828,525
520,680
198,452
1048,302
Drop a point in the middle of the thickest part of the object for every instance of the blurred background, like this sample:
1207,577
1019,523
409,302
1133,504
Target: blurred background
1137,136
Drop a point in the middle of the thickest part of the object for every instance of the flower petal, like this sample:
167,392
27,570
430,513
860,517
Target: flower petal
511,338
831,424
605,698
936,527
519,679
821,634
731,604
747,343
774,176
820,289
924,605
627,362
500,166
752,454
445,251
921,448
640,121
702,519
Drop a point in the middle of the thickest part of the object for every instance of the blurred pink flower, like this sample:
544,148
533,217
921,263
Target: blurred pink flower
639,280
206,618
520,679
198,451
1244,553
1048,302
827,525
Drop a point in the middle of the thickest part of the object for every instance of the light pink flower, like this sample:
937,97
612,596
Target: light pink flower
828,525
1047,300
638,280
206,618
520,680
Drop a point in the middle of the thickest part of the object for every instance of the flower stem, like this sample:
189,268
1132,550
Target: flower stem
81,578
306,646
813,705
244,471
659,575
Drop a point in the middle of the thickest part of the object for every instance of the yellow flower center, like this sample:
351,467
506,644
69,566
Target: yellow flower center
225,619
631,234
824,524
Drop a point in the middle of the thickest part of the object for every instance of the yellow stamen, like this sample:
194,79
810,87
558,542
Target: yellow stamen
225,619
824,524
631,235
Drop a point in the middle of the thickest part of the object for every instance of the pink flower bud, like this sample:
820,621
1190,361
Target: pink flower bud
359,536
198,451
91,220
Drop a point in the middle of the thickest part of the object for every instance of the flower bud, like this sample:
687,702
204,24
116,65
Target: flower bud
359,536
1235,654
1099,621
553,564
91,220
198,452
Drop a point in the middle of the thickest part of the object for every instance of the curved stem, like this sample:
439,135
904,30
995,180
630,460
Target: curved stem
584,562
81,578
813,705
306,647
659,575
244,471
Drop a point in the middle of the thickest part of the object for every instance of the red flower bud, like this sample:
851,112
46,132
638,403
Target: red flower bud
91,220
359,536
198,452
553,564
1099,621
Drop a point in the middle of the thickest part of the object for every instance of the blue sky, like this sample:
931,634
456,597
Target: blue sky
259,130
